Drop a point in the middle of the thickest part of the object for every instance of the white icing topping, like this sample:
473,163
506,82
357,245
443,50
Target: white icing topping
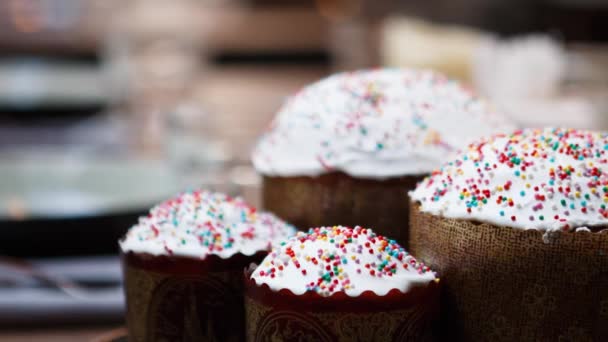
547,179
327,260
201,223
374,124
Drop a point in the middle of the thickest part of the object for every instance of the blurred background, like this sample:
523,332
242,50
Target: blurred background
109,106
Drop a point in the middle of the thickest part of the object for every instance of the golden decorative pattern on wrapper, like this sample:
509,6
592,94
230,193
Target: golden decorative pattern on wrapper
338,199
505,284
165,307
265,323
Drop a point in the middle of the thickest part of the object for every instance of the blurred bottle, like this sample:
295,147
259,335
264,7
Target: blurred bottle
195,150
153,54
352,34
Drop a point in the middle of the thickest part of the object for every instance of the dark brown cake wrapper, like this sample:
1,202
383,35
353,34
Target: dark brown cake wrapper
285,316
338,199
171,298
505,284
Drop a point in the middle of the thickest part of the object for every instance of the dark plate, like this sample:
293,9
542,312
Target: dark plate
67,236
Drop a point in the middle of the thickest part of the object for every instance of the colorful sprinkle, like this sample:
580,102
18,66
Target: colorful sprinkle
373,123
565,168
200,223
325,267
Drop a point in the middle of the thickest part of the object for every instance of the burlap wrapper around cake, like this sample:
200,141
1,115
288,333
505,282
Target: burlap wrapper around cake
284,316
185,299
339,199
505,284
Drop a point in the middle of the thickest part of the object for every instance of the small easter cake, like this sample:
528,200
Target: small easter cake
342,150
340,284
183,266
517,227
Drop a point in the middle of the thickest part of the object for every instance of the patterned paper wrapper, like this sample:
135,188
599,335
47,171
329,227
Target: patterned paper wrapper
339,199
185,299
504,284
284,316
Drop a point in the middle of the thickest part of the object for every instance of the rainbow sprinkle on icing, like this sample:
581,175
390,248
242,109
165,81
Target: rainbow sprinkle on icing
548,179
200,223
327,260
374,124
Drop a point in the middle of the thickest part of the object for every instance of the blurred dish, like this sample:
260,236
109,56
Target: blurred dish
39,186
64,205
30,83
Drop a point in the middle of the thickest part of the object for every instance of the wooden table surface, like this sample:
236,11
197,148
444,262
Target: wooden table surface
71,334
243,96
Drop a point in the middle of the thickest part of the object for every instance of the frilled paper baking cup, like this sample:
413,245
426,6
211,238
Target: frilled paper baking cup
285,316
505,284
338,199
171,298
